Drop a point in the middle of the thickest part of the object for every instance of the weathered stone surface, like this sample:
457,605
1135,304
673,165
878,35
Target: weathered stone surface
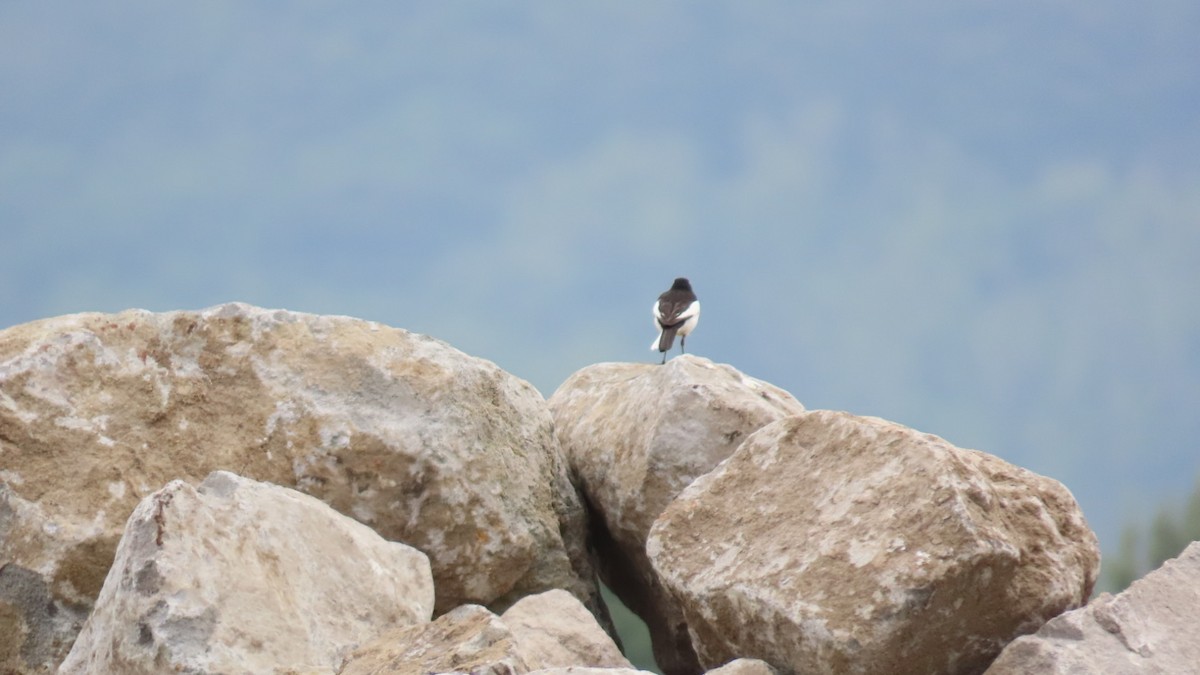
1151,627
577,670
242,576
37,630
744,667
421,442
554,630
835,543
583,670
636,435
545,631
469,639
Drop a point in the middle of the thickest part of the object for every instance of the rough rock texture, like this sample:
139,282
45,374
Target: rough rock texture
548,630
421,442
636,435
576,670
835,543
1151,627
469,639
241,576
554,630
744,667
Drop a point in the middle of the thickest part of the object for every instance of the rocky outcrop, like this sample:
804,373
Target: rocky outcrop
835,543
551,630
637,435
241,576
1151,627
753,536
422,443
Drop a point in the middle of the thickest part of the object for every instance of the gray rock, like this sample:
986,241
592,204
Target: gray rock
834,543
638,434
554,630
241,576
1151,627
402,432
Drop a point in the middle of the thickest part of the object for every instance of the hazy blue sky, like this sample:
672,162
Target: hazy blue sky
979,219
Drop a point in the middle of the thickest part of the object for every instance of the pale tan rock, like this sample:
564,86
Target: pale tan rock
1151,627
550,630
402,432
583,670
638,434
246,577
835,543
554,630
586,670
469,639
744,667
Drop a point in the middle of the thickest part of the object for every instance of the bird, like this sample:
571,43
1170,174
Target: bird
675,312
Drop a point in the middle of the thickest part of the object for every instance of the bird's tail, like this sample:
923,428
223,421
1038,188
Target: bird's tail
666,338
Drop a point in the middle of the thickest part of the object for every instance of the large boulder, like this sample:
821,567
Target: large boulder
400,431
1151,627
637,435
241,576
835,543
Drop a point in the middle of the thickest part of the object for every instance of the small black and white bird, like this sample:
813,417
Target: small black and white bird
676,313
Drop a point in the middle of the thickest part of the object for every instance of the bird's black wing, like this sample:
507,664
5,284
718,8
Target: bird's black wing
673,304
669,311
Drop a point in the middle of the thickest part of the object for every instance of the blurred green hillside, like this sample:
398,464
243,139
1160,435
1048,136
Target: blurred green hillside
1146,546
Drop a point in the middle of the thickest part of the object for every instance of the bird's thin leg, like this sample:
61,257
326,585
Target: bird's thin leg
664,361
682,342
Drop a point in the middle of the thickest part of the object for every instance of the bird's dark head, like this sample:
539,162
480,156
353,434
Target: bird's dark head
681,284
